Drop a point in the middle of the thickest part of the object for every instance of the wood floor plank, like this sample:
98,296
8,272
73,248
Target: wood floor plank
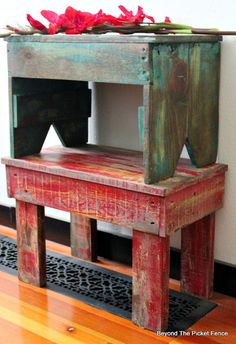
13,334
224,315
74,311
193,339
215,327
226,301
35,317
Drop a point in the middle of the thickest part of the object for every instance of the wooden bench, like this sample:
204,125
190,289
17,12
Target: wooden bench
48,78
99,183
180,80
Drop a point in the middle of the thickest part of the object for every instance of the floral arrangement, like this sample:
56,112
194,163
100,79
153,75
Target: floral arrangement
74,21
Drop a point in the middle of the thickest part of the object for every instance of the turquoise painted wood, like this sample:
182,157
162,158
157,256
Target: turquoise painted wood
165,102
181,108
179,75
203,121
99,62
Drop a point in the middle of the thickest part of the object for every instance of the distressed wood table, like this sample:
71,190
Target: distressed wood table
179,75
48,77
97,183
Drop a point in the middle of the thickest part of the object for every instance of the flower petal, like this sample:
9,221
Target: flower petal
35,23
51,16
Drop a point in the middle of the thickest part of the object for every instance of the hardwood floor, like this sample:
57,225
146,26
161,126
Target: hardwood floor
30,315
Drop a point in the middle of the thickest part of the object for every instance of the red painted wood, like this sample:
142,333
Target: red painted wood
193,203
145,212
30,243
150,281
83,237
197,257
116,167
101,202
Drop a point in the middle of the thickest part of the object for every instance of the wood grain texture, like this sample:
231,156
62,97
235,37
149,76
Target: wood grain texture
83,237
30,243
111,38
165,102
116,167
68,319
197,257
80,61
105,203
203,118
190,205
96,185
150,298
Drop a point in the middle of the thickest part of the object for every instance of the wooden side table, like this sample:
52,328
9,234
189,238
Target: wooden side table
179,75
95,183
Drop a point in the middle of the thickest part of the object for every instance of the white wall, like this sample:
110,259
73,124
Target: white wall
123,120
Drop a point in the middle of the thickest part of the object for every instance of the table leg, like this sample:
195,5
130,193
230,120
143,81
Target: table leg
150,281
203,116
197,257
31,243
83,237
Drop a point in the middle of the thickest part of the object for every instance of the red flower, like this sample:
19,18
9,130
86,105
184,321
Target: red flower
107,19
129,17
167,20
35,23
77,21
54,20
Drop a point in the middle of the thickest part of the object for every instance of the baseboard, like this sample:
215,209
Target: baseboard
119,249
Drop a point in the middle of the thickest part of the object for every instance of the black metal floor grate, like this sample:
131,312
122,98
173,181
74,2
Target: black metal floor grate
103,288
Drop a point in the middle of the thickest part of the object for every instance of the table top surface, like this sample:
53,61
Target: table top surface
112,166
113,38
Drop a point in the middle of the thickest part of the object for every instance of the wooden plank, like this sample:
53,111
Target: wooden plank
223,314
30,243
83,237
105,203
50,107
115,167
26,141
28,86
228,333
141,116
165,103
202,134
127,208
16,334
150,299
105,325
192,204
72,133
111,38
100,62
197,257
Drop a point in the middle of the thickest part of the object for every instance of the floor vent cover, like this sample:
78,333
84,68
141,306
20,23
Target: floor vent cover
103,288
